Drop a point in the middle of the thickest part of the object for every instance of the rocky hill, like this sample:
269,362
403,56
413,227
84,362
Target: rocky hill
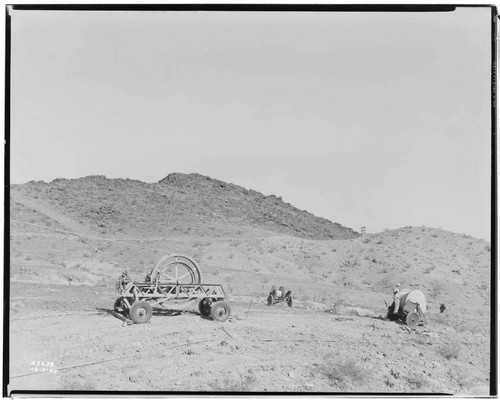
186,203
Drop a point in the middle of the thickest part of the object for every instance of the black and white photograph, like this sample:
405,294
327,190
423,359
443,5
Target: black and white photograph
215,199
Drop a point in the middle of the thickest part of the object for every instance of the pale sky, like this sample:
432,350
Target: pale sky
368,119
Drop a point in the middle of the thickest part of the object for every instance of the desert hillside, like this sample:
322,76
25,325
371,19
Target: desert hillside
179,203
70,240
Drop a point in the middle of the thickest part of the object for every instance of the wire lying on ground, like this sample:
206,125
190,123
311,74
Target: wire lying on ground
115,358
53,315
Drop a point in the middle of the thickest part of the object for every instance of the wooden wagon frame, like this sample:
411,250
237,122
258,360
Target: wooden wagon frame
175,280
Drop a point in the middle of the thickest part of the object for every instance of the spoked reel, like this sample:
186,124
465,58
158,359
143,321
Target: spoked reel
176,269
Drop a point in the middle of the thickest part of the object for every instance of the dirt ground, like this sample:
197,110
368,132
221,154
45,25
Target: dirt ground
81,344
67,249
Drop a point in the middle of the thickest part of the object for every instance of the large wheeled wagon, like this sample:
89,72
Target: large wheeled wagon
279,296
175,280
412,308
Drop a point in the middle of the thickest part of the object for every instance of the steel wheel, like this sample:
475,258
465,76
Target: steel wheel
220,311
412,319
270,300
177,269
141,312
118,306
204,306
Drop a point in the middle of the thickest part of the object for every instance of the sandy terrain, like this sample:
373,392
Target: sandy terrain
67,255
259,348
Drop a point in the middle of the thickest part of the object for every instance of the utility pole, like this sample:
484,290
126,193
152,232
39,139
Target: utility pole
363,230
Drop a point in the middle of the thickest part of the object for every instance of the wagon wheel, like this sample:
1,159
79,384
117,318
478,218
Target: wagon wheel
412,319
204,306
119,306
290,301
220,311
177,269
390,313
141,312
270,300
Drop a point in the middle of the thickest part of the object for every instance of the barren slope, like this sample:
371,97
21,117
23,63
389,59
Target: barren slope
179,203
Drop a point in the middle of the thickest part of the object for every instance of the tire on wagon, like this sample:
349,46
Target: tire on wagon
220,311
412,319
204,306
141,312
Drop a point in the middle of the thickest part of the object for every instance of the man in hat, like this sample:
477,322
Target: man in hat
123,281
396,296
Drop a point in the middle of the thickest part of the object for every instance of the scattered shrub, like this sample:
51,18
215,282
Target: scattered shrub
464,378
436,288
388,383
418,381
419,339
238,384
79,385
335,307
441,319
341,371
450,350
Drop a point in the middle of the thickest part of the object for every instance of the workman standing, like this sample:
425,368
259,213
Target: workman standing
396,296
123,281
